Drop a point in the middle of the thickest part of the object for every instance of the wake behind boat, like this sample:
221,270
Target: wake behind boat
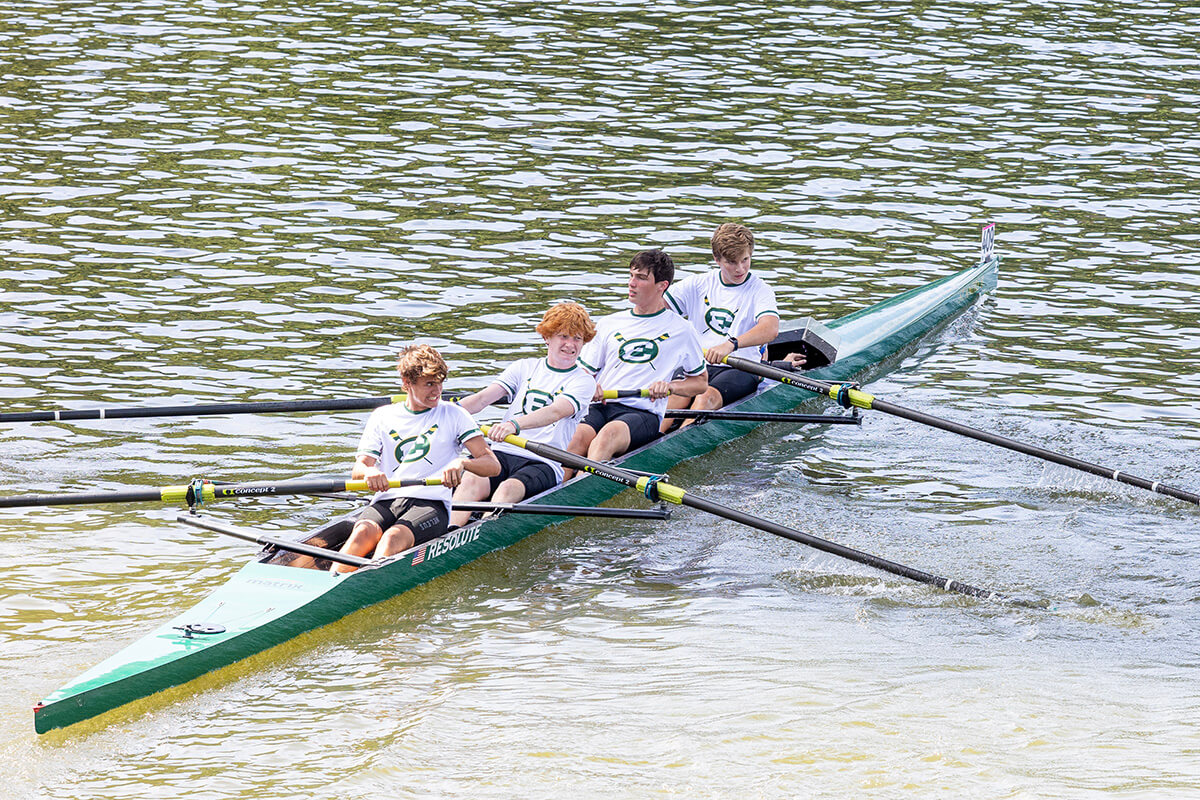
281,593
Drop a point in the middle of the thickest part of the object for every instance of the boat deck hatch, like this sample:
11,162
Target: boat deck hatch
818,343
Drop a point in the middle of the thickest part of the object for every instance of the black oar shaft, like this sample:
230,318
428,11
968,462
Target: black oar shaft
833,548
209,409
567,511
1034,450
763,416
272,541
865,400
201,410
676,495
81,498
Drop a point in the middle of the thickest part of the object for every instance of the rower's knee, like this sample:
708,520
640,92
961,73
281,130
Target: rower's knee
612,440
582,440
363,538
509,491
397,539
708,401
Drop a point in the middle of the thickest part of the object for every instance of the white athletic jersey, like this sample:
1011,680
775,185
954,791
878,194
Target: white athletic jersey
407,444
718,310
532,384
631,351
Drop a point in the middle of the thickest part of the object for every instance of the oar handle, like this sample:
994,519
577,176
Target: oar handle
618,394
361,486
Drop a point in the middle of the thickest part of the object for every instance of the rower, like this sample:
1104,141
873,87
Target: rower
639,348
417,438
734,312
548,396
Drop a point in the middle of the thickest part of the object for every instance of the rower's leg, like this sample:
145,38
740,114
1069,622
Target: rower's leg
396,539
710,400
580,442
363,539
509,491
673,401
472,489
612,440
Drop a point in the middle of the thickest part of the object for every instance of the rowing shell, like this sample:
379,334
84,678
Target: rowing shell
272,599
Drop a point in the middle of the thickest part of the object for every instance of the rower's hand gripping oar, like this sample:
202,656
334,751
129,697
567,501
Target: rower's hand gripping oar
199,492
620,394
656,490
848,395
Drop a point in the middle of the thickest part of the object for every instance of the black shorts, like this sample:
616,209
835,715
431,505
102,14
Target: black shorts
536,476
731,382
427,519
643,425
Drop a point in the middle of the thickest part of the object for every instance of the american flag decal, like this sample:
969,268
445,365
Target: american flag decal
419,556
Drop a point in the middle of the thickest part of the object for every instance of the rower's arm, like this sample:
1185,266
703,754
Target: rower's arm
474,403
764,331
691,386
546,415
366,468
483,461
361,465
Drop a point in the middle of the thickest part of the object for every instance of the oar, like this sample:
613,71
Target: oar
749,416
273,541
661,490
764,416
201,492
847,396
210,409
567,511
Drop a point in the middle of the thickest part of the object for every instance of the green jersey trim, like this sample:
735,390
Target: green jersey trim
471,434
673,302
546,361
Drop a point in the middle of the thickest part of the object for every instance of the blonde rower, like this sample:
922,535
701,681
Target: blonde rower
419,438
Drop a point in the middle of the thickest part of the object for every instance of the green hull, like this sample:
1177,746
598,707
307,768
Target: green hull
267,603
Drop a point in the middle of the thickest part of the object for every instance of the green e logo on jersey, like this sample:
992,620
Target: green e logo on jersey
639,351
414,448
535,399
719,319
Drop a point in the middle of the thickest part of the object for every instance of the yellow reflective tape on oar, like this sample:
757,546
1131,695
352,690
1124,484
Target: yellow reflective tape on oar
361,486
855,397
617,394
179,494
672,494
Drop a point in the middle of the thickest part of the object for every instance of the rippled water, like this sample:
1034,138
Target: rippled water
209,201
